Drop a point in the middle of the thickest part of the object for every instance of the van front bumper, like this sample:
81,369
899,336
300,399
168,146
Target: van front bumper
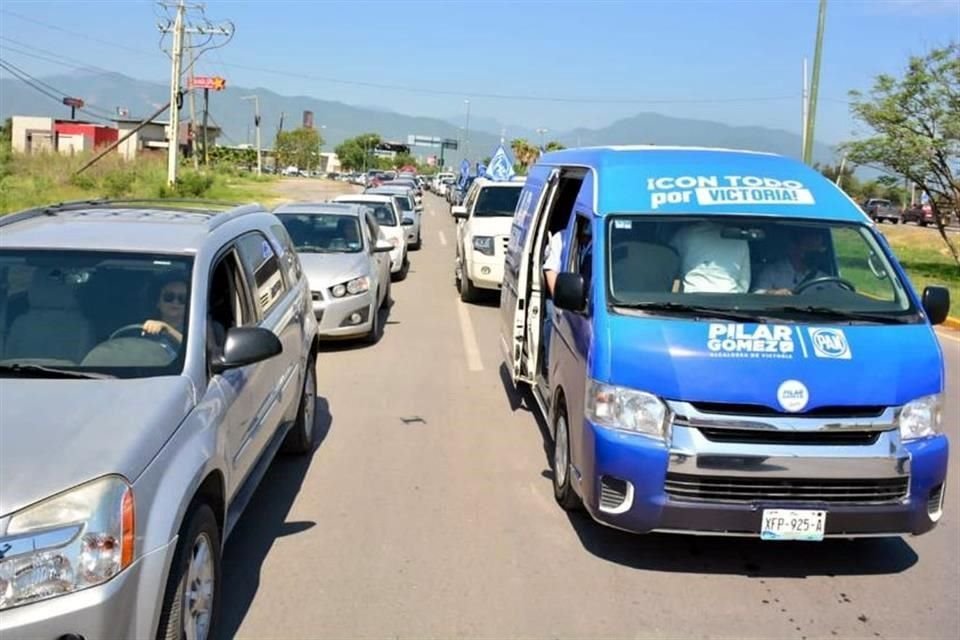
639,466
127,606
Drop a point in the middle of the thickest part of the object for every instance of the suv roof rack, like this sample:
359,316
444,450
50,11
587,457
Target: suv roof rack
220,211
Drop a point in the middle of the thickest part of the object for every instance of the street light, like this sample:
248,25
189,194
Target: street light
256,121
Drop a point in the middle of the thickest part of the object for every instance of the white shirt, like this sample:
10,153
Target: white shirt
711,263
551,261
782,275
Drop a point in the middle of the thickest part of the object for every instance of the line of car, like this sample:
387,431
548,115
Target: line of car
882,210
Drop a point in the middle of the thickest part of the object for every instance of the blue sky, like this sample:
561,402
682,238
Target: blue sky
733,61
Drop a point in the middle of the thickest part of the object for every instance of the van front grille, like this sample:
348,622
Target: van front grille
840,411
781,436
737,489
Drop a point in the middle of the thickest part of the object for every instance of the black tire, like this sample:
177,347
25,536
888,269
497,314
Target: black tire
404,270
299,440
468,292
563,490
416,246
199,526
376,331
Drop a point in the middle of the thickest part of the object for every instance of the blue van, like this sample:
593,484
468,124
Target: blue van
729,347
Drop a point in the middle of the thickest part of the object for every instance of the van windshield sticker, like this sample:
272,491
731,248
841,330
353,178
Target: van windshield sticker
727,190
623,224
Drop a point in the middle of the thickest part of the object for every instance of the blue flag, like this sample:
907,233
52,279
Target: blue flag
501,167
481,170
464,172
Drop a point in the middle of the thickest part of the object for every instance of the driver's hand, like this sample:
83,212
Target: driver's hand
154,327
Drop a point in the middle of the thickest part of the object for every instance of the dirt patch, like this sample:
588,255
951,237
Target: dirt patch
312,189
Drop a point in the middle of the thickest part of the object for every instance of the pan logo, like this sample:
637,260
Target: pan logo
793,395
830,343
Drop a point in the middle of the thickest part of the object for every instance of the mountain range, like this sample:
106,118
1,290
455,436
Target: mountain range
104,93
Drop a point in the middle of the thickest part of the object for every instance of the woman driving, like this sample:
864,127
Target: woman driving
171,304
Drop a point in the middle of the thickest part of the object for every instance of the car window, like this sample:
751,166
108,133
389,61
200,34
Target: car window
383,212
262,265
229,302
291,261
323,232
403,203
496,201
120,314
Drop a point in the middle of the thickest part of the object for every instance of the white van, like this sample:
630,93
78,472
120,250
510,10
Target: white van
483,230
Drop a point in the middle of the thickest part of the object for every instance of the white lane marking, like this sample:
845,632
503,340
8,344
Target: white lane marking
443,238
469,338
948,337
433,214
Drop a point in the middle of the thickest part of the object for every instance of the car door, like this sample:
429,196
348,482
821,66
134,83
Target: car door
276,382
381,261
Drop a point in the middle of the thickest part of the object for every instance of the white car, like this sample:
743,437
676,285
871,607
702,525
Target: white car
483,230
408,207
391,224
344,255
438,179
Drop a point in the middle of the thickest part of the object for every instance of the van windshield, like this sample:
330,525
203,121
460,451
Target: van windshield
790,269
496,201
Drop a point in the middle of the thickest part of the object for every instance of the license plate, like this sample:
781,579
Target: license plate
793,524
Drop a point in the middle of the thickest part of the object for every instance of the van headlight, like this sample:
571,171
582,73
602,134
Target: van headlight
483,244
626,409
921,417
74,540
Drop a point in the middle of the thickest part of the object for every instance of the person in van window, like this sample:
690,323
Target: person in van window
551,259
800,264
171,305
711,263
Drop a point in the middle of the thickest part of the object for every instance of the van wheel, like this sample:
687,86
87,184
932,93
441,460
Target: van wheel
191,602
562,467
299,439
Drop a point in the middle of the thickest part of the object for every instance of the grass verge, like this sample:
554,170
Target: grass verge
926,259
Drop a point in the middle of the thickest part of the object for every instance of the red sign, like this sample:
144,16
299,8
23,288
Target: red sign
76,103
208,82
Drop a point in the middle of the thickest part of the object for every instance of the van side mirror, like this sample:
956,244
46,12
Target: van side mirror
936,302
459,212
570,292
246,345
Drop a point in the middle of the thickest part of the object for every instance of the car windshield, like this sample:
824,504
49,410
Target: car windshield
382,212
789,269
92,313
403,202
496,201
323,232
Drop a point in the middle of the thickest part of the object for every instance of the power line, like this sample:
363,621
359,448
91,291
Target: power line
48,90
441,92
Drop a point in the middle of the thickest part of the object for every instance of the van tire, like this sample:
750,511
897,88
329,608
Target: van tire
199,528
563,490
299,440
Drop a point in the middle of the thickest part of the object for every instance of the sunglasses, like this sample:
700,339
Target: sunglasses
170,296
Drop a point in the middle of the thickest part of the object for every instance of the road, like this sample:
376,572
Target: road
427,512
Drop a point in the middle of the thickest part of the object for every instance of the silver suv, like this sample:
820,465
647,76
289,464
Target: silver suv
153,359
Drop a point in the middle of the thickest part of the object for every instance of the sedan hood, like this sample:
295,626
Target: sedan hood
785,367
57,434
327,269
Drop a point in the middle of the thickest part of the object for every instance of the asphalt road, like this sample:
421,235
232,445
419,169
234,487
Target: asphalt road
427,512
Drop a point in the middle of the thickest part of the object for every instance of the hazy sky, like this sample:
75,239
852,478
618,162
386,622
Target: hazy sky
537,64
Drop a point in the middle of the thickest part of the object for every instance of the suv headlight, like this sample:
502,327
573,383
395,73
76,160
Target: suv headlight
351,287
626,409
77,539
921,417
483,244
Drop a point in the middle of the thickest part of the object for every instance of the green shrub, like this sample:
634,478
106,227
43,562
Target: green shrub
191,184
118,183
83,181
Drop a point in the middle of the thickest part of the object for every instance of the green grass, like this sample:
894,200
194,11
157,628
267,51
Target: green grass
927,260
29,181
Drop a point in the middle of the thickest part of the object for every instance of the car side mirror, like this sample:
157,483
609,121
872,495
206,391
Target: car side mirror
459,212
382,246
936,302
570,292
408,222
246,345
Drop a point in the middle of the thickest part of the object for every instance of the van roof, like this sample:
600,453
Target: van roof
700,180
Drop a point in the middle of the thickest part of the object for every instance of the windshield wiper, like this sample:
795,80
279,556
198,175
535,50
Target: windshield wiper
41,371
827,312
696,310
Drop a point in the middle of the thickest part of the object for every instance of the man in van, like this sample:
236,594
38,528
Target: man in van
804,247
710,262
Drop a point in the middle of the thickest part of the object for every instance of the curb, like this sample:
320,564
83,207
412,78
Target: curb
952,323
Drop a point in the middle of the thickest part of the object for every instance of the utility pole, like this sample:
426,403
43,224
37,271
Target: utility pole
804,108
193,109
175,97
256,122
466,141
814,85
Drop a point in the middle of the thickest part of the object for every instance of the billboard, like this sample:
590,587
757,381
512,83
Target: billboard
308,119
207,82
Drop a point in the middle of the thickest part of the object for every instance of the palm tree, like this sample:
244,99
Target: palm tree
553,145
524,152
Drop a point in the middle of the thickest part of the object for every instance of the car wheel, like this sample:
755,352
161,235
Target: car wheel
468,292
418,244
376,330
562,468
299,439
191,601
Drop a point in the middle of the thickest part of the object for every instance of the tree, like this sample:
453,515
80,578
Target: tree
916,129
524,152
848,182
358,153
299,148
553,145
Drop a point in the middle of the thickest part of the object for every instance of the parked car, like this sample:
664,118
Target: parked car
154,359
411,183
409,208
344,255
391,223
881,210
923,215
684,398
483,231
